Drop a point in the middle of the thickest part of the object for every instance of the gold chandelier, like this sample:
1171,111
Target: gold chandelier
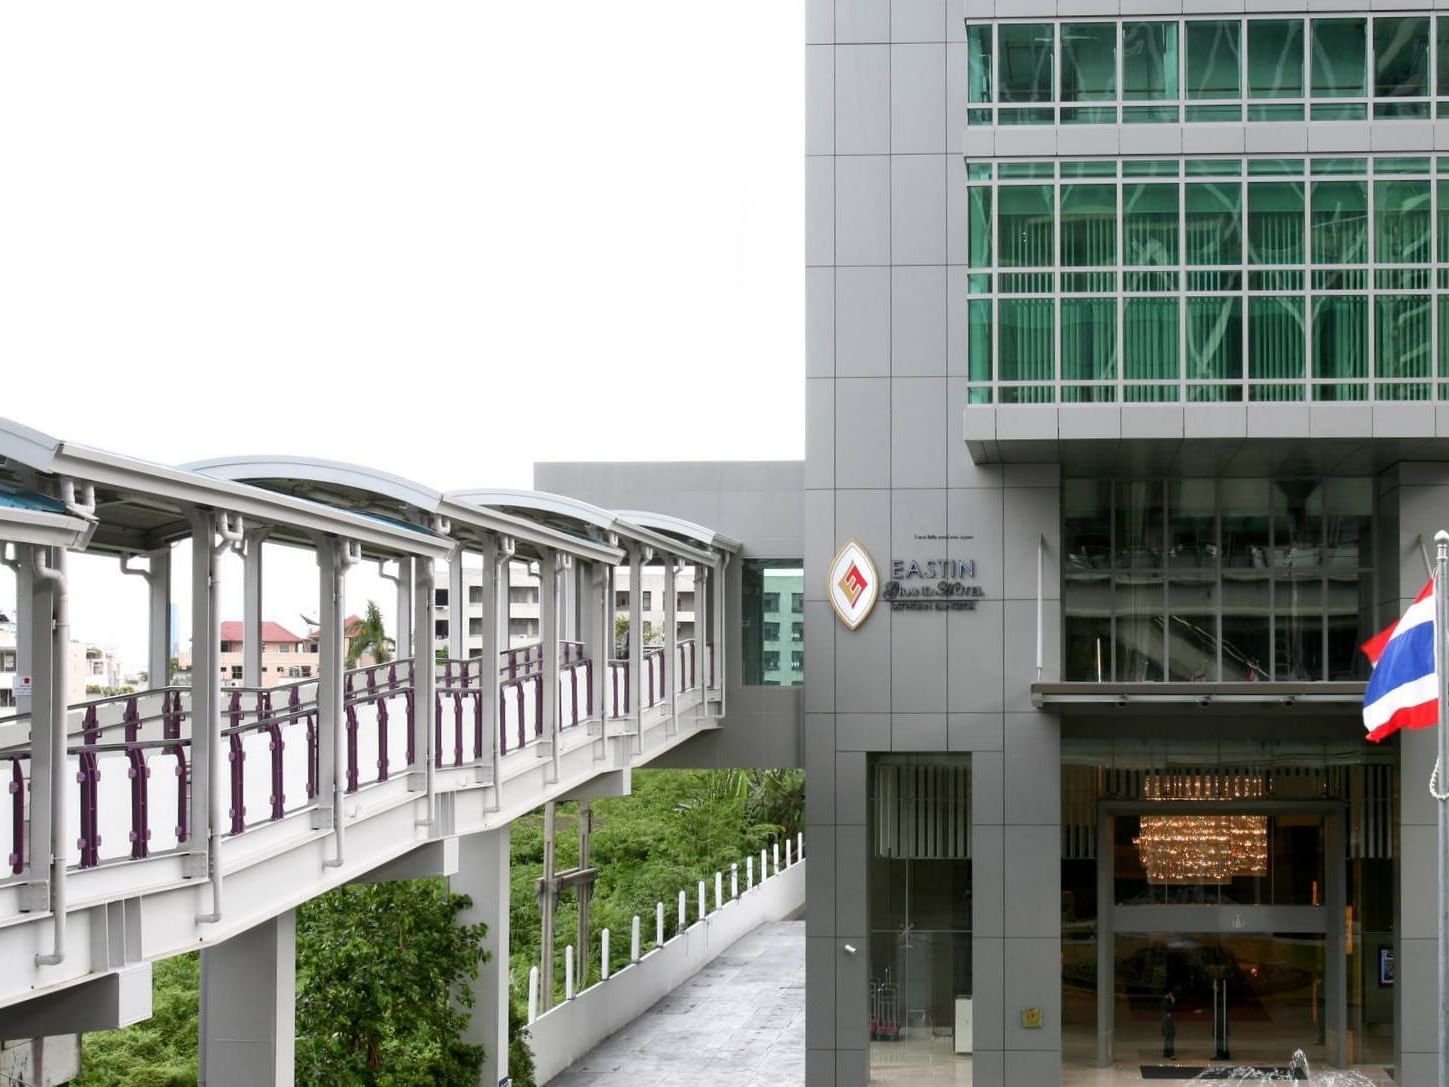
1202,849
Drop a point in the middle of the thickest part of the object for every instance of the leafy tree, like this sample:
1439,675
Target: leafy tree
367,635
382,984
157,1052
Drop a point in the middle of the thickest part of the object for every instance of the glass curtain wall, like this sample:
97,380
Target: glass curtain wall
1204,580
1270,68
919,902
772,622
1208,280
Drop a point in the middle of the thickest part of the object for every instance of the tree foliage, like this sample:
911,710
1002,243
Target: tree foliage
382,993
368,636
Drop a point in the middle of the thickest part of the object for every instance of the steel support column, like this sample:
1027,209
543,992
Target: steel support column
548,575
636,640
34,638
252,609
420,775
547,904
158,636
671,640
457,613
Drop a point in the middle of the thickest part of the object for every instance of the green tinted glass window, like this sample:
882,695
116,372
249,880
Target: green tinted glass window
1149,339
978,64
1089,62
1026,333
978,231
1340,58
1403,212
1402,341
1089,225
1401,58
1340,336
1275,222
1442,25
1024,71
1213,59
1444,230
1025,230
1149,224
1340,222
1275,58
1215,223
1275,338
978,340
1089,339
1214,338
1149,61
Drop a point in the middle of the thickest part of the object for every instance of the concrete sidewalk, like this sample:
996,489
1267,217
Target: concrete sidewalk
739,1022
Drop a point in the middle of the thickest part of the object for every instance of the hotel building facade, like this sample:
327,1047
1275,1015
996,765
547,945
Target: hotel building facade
1134,313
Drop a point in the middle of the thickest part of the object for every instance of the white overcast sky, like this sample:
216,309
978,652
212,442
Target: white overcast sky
445,239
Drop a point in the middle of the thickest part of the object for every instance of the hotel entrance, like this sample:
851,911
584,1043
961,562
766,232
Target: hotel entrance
1235,910
1216,937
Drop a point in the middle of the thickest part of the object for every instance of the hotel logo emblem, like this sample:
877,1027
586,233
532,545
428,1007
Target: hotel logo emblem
854,584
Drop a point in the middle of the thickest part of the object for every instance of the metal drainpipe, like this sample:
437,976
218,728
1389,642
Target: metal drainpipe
233,538
348,555
721,620
59,666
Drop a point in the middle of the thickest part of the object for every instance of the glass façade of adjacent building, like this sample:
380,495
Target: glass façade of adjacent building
772,627
1208,279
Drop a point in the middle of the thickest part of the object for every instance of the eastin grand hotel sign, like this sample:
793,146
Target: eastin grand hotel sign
914,585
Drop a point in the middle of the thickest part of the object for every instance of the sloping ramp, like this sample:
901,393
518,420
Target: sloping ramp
739,1022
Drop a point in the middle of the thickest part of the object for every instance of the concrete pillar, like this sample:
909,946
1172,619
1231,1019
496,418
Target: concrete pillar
158,638
483,877
248,1007
1413,504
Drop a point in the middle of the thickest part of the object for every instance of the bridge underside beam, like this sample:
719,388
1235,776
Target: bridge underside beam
112,1000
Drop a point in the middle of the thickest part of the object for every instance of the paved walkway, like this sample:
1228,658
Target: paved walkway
739,1022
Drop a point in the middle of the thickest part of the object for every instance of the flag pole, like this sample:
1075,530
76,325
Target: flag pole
1441,628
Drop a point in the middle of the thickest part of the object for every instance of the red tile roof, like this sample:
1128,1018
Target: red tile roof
232,631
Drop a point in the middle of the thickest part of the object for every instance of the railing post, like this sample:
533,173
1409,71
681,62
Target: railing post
604,955
718,890
788,845
532,994
569,972
659,924
764,866
799,845
633,940
683,921
775,851
750,872
734,881
701,900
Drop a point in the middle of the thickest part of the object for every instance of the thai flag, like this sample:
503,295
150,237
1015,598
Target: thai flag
1403,691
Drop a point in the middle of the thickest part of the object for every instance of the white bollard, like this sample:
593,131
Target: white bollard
750,872
604,956
532,994
701,900
800,845
634,940
788,845
764,866
659,924
569,972
682,921
718,890
775,849
734,881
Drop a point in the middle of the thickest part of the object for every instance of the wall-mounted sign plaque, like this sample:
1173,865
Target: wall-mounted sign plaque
854,584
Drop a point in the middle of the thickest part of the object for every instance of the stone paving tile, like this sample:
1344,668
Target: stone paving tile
739,1022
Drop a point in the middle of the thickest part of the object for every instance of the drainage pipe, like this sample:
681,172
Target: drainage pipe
59,727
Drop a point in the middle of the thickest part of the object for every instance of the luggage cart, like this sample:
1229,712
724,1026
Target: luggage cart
885,1016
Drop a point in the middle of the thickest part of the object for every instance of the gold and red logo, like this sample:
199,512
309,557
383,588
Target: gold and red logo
854,584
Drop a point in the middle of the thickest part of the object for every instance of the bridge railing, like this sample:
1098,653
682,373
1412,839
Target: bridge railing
459,711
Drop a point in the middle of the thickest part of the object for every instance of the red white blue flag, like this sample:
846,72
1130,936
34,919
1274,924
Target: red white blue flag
1403,691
